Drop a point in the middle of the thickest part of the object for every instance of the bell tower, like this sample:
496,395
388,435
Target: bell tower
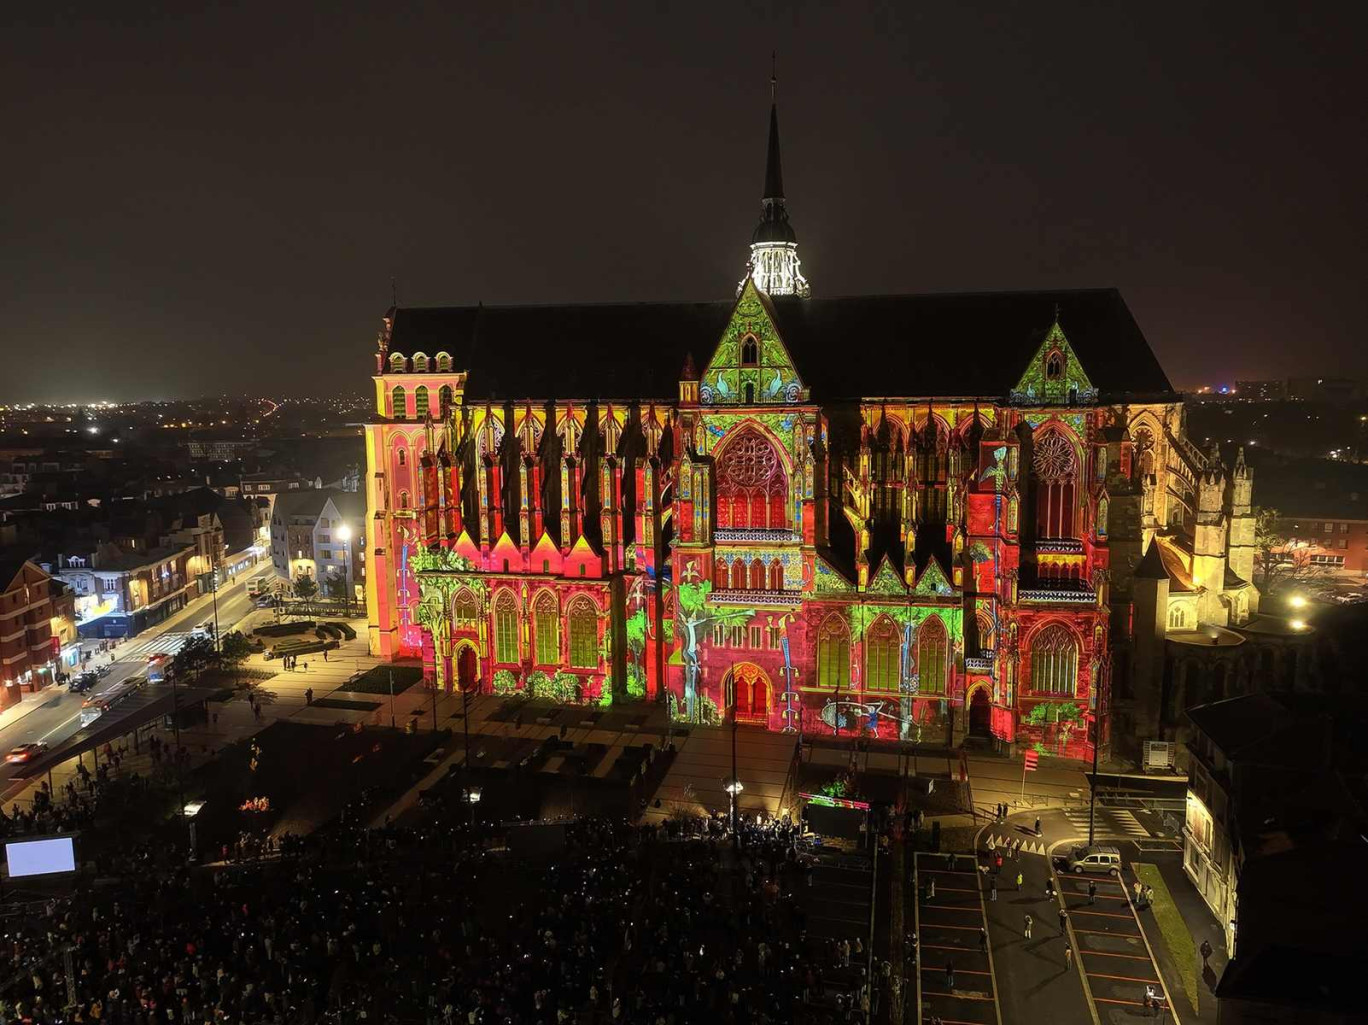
774,263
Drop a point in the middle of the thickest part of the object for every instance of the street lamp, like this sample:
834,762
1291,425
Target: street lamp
344,535
1297,601
733,787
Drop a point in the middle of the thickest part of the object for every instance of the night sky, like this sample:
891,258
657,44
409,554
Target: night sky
197,202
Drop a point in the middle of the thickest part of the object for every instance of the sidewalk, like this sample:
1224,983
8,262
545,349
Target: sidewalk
1202,925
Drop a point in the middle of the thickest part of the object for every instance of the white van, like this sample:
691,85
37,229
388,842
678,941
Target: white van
1095,858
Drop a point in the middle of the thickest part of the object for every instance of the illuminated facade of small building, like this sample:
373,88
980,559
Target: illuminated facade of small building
888,515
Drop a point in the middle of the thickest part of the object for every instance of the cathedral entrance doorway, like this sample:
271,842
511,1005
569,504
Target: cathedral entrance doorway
747,685
467,669
981,714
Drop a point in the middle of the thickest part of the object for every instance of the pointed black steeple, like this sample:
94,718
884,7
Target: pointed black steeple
774,223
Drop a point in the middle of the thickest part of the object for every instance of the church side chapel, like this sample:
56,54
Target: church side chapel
909,516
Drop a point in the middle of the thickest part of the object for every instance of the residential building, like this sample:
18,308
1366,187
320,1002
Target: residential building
27,658
120,593
320,533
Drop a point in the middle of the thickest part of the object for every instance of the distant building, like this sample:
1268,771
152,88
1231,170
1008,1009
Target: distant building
1261,391
28,660
320,533
220,449
1335,390
267,484
119,593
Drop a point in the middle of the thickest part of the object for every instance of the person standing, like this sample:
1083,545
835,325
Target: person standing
1063,921
1205,950
1027,931
950,974
1019,881
931,889
1037,829
1068,956
1092,892
992,888
1135,888
983,940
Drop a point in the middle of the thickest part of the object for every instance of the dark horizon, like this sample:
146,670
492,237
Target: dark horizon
219,200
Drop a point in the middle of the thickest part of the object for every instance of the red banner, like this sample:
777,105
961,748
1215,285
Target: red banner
1032,760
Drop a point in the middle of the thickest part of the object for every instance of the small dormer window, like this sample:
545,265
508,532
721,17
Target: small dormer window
750,351
420,363
444,362
397,363
1054,367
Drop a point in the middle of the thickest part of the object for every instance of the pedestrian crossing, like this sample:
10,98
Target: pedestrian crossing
994,841
167,644
1112,823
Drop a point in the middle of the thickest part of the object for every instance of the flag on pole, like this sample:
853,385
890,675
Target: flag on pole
1032,760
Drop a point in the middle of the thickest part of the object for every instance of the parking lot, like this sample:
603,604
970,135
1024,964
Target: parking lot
955,967
1117,961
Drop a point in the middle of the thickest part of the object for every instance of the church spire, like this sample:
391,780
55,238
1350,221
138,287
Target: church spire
774,247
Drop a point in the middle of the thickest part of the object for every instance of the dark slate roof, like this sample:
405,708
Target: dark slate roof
1236,723
963,345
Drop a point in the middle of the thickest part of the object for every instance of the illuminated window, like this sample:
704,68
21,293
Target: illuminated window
420,362
933,650
757,575
420,402
506,628
750,351
720,577
1055,470
403,456
833,655
752,489
467,611
1054,367
444,362
776,575
883,656
396,364
547,622
1054,662
583,634
1177,618
403,500
399,398
444,399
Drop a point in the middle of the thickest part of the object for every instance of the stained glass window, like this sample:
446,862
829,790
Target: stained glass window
1054,662
506,628
752,488
1056,470
833,655
583,634
467,611
547,623
933,648
883,656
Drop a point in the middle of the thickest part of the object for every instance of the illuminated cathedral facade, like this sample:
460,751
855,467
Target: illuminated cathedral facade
894,516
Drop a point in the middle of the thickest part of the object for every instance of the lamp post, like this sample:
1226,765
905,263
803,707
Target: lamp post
344,535
733,786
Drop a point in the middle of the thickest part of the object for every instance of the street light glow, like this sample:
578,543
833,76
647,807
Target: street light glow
1298,624
1297,601
344,533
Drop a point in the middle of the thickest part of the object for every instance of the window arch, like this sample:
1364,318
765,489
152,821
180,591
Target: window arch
757,574
444,362
583,634
752,488
399,402
546,620
1143,441
1055,466
750,351
738,574
467,611
933,649
833,655
420,402
420,362
776,575
506,628
1054,366
403,500
401,456
1177,618
721,579
396,363
883,657
1054,662
984,623
445,396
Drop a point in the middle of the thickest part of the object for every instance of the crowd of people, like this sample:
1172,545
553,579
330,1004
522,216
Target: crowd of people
626,924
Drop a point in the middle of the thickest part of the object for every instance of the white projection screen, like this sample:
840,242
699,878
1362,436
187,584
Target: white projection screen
40,857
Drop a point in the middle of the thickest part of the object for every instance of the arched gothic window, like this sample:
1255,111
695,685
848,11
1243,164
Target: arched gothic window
583,634
1054,367
833,655
420,402
547,624
1143,441
399,401
1177,618
1054,662
738,574
506,628
986,640
402,456
750,351
721,579
776,575
467,611
757,575
403,500
420,362
1056,474
444,362
444,397
933,649
752,489
935,471
883,657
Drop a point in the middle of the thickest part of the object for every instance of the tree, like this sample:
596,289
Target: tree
234,650
1280,560
305,589
195,655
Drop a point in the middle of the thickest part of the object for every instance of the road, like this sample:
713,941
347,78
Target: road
58,718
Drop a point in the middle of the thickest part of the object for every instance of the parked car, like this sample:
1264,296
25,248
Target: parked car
25,753
1094,858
